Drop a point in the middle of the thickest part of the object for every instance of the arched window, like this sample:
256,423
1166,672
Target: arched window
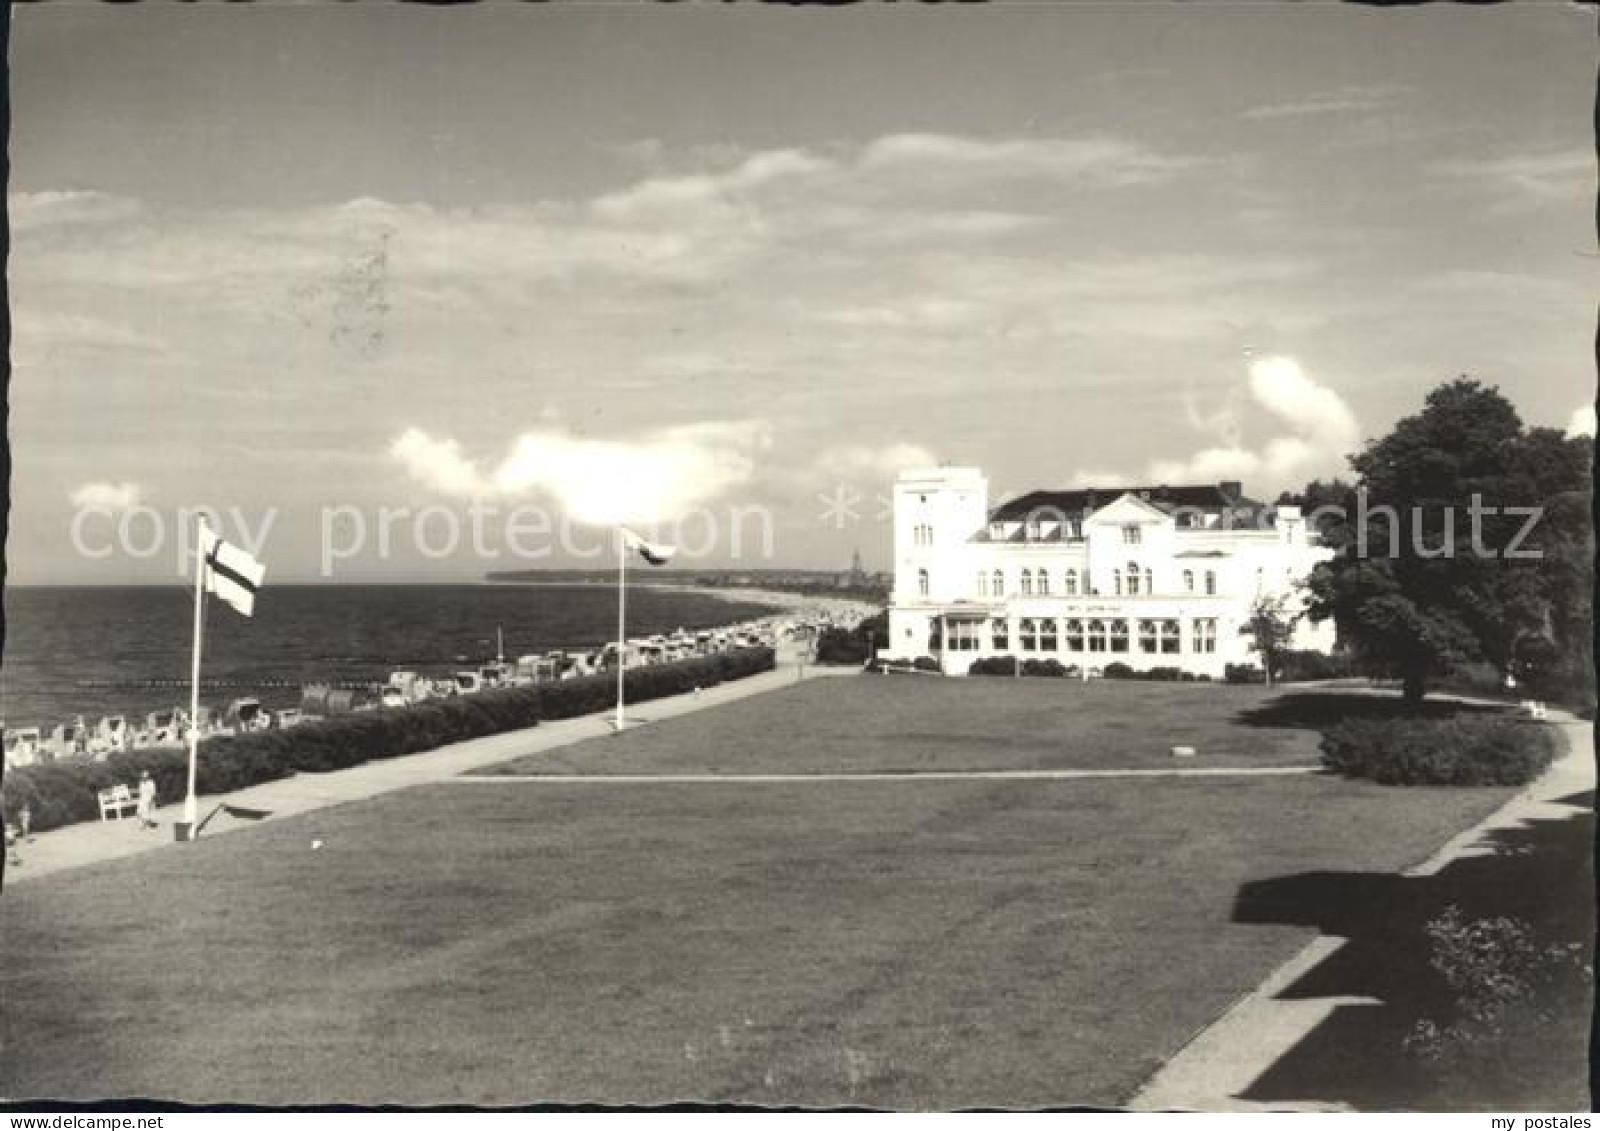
922,582
1047,635
1044,583
1211,583
997,630
1116,582
1027,583
1133,579
1188,581
1074,636
1149,580
1028,633
1072,583
999,581
1098,639
1119,636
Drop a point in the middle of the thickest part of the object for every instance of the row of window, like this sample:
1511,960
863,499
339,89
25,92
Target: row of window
1130,581
922,534
1046,634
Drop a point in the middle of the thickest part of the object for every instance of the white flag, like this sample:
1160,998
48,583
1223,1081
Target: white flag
231,573
655,553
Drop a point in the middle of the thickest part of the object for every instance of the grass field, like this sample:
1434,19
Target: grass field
899,943
889,724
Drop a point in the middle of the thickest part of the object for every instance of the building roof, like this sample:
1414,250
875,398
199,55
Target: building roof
1211,497
1225,498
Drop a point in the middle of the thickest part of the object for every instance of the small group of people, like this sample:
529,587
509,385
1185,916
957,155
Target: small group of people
20,830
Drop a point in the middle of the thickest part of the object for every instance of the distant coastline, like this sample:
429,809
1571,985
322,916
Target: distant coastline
781,586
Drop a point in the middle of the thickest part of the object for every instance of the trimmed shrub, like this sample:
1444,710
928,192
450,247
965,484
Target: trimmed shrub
1480,749
1116,669
1298,665
925,664
1243,673
64,792
994,665
1043,667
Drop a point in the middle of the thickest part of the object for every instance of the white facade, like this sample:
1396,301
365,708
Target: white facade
1150,577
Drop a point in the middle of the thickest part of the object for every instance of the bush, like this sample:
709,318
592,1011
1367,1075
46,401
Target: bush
1043,667
1298,665
1116,669
1463,750
1243,673
925,664
994,665
63,792
841,646
1502,984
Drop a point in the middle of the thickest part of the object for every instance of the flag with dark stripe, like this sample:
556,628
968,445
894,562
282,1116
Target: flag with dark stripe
231,573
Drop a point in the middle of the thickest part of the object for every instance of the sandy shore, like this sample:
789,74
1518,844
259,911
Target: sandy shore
845,609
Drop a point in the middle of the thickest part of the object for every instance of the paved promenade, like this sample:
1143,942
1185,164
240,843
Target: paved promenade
89,842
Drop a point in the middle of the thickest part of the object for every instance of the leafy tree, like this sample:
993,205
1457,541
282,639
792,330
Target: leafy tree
1271,629
1438,565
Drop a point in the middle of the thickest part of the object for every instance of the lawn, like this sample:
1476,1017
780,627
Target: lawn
899,943
905,723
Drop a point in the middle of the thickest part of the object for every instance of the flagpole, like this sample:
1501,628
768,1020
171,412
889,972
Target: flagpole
622,638
190,808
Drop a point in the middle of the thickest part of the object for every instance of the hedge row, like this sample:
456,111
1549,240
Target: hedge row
1116,669
1463,750
64,792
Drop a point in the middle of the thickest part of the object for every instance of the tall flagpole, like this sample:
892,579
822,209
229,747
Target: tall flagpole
622,636
190,807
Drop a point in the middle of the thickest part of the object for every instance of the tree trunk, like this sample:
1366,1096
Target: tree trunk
1414,687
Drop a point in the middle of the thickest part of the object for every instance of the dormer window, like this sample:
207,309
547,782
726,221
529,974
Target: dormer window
1032,530
996,531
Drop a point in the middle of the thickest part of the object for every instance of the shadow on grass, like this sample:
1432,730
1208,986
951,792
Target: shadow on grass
1539,871
1320,710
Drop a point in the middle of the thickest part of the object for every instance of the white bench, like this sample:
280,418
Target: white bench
115,800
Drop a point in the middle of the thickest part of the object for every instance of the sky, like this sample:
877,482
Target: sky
670,265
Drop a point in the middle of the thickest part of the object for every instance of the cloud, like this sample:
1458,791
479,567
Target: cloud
37,332
660,476
1322,430
1582,421
849,462
1340,100
438,464
1094,159
658,196
1527,178
101,494
30,211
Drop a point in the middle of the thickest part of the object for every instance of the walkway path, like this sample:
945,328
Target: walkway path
90,842
1220,1064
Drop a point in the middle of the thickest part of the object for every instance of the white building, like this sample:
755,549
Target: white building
1151,577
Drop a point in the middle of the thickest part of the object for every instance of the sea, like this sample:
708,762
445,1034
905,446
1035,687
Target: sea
106,651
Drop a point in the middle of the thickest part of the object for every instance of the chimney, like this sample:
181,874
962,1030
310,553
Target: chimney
1231,489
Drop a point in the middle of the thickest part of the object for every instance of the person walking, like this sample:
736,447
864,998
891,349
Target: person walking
147,801
25,821
13,853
